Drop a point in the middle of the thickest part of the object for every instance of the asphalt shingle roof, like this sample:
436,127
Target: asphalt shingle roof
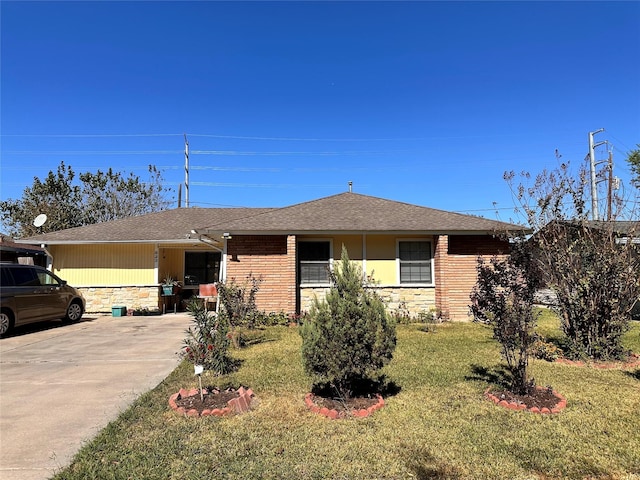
345,212
166,225
352,212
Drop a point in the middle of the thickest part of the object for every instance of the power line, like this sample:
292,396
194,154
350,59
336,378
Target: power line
93,152
89,135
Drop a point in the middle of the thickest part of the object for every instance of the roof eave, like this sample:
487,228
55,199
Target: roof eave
231,232
96,242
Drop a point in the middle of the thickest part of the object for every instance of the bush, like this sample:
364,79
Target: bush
503,298
545,350
238,302
591,266
347,337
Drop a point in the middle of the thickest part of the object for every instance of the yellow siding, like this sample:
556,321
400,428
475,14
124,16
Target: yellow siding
171,262
104,264
381,259
383,272
353,244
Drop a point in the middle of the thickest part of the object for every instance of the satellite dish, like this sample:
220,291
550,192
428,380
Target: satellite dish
39,220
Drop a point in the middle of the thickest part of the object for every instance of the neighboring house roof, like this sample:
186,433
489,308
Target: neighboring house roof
164,226
352,212
621,227
344,213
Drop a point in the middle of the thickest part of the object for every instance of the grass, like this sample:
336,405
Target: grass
438,425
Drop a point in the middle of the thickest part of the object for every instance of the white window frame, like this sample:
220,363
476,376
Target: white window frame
315,240
431,262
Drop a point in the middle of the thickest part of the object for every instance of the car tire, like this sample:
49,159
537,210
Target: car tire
6,322
74,312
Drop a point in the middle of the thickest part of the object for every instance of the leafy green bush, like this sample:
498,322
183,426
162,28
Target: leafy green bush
347,337
238,302
545,350
207,340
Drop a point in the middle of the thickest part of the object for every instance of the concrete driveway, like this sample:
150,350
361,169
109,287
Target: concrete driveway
61,384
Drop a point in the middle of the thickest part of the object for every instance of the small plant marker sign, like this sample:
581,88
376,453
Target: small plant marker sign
198,369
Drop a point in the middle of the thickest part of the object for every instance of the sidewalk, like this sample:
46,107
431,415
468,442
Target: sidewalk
61,384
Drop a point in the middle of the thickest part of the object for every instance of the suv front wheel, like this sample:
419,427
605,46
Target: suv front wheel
74,312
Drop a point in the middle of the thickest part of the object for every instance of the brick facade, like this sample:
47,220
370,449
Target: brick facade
456,259
271,258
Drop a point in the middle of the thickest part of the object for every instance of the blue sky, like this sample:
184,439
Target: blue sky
421,102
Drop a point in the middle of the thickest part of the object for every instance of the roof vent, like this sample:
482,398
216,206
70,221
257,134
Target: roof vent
350,187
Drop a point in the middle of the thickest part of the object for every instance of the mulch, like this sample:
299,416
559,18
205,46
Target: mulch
345,406
539,397
211,399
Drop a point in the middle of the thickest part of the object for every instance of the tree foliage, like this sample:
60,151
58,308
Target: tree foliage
347,337
503,297
110,195
593,267
67,202
207,340
633,159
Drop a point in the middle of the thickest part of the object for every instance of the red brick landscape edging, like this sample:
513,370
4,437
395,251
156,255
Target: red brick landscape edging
240,404
334,414
562,403
633,362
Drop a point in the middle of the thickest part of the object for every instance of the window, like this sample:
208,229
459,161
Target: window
314,262
47,279
201,267
414,259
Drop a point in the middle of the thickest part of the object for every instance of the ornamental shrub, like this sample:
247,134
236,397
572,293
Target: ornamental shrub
503,298
238,302
207,340
347,337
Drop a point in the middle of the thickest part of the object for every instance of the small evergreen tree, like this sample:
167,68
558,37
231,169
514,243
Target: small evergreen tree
348,336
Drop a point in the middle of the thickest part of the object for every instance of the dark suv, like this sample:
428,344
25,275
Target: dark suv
33,294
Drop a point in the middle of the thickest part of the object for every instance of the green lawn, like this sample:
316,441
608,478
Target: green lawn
438,425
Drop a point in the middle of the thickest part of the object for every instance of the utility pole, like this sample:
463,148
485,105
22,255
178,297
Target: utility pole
186,171
592,162
611,187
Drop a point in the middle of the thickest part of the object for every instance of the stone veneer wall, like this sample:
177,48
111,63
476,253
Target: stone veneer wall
416,300
101,299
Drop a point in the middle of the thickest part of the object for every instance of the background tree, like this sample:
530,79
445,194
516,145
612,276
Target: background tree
347,337
110,195
97,197
56,196
633,159
592,269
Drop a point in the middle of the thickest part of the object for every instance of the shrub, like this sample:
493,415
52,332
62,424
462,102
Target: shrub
238,302
592,266
347,337
545,350
207,340
503,298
